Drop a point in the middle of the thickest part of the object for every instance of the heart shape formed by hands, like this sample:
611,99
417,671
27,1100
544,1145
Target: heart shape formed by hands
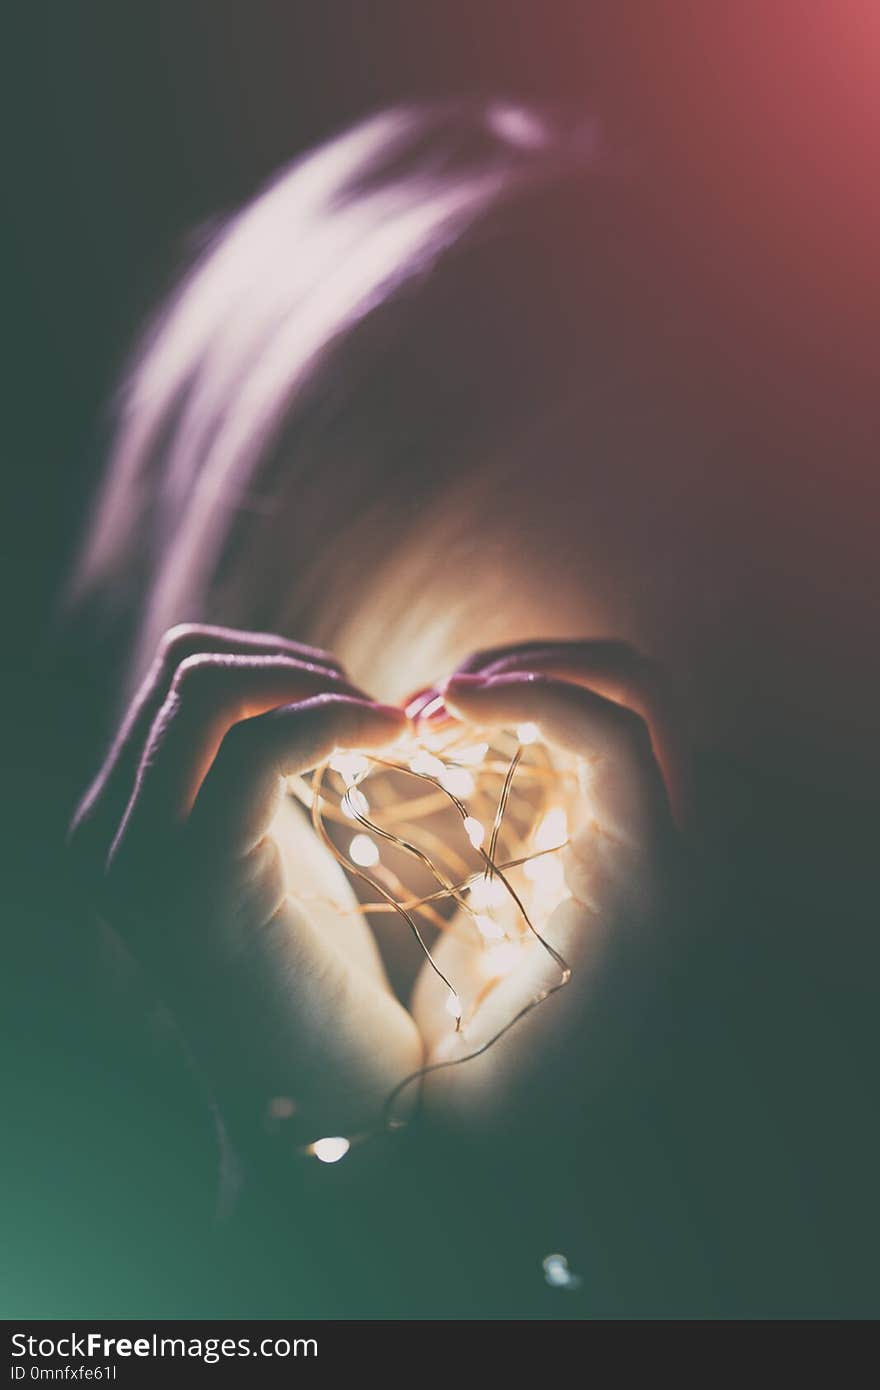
465,819
517,827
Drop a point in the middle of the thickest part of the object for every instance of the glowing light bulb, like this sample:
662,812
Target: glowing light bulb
528,733
487,892
453,1007
558,1274
474,831
331,1149
552,831
350,766
472,757
426,764
355,804
363,851
458,781
488,927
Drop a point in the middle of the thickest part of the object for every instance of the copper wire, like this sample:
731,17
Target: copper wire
446,890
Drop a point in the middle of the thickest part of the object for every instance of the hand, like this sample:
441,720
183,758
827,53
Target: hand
620,867
275,998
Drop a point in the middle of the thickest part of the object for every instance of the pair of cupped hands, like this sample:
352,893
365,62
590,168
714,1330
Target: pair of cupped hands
275,997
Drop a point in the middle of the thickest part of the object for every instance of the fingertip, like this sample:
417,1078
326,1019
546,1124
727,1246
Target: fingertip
392,712
461,685
372,711
458,693
463,690
394,720
464,681
417,705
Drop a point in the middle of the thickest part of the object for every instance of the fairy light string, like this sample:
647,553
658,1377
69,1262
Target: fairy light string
351,867
431,767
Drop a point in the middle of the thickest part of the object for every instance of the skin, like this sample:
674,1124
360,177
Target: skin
619,871
174,840
174,837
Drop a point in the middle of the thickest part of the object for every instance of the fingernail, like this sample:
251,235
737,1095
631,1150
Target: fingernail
418,703
437,713
466,682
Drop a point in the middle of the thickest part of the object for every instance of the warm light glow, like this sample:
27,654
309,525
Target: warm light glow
488,927
528,733
472,757
355,804
546,874
350,766
474,831
453,1007
552,831
301,790
426,763
331,1149
501,959
487,892
438,740
433,707
363,851
514,827
458,781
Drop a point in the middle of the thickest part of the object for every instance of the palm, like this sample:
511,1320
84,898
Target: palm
340,1038
527,986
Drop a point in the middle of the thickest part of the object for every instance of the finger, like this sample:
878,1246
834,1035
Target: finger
239,796
209,694
98,815
427,704
620,673
626,787
418,705
617,660
478,661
